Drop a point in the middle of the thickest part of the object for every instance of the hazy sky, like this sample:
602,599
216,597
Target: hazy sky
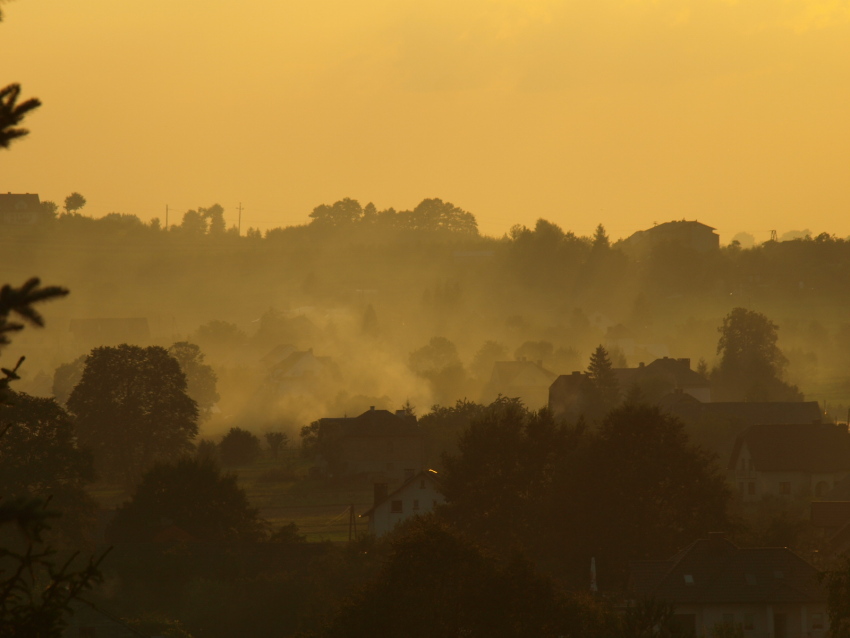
625,112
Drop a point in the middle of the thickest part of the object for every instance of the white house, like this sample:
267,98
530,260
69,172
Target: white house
790,460
418,495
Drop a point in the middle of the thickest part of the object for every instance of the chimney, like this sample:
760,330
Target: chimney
641,364
685,362
371,408
381,492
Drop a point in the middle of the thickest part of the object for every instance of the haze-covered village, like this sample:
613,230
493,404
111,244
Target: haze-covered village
391,420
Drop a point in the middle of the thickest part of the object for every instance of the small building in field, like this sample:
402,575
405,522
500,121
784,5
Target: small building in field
766,592
419,494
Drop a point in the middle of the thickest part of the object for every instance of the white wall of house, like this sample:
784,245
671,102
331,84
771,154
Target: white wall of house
761,620
417,497
753,485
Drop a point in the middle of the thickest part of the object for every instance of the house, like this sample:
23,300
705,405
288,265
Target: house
528,380
769,591
378,444
656,380
278,354
690,234
740,414
663,376
789,460
20,209
299,371
565,395
831,514
419,494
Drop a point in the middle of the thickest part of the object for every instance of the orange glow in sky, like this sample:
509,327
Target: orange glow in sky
625,112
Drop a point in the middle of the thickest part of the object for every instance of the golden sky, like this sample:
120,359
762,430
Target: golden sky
625,112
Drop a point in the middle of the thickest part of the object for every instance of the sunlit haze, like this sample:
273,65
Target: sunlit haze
614,111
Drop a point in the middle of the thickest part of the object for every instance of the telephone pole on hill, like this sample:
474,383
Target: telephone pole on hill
239,226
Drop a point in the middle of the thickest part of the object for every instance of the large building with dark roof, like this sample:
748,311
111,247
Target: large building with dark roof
378,445
767,591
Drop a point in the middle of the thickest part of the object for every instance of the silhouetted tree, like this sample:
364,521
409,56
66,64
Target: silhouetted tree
369,325
194,224
239,447
488,354
643,489
343,213
443,427
434,215
601,392
36,592
437,582
439,362
276,441
132,410
501,474
215,216
11,113
600,238
751,364
287,534
193,495
66,377
40,458
73,203
200,378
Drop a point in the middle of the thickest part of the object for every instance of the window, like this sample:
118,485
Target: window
689,579
749,622
396,507
741,488
415,504
785,488
817,621
751,488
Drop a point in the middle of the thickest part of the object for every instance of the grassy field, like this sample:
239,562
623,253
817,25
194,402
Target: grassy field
284,492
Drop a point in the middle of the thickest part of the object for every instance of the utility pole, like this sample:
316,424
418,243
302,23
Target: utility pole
352,524
166,217
239,227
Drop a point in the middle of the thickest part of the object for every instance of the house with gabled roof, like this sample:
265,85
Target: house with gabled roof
692,235
789,460
769,592
418,495
20,209
378,444
299,371
663,376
